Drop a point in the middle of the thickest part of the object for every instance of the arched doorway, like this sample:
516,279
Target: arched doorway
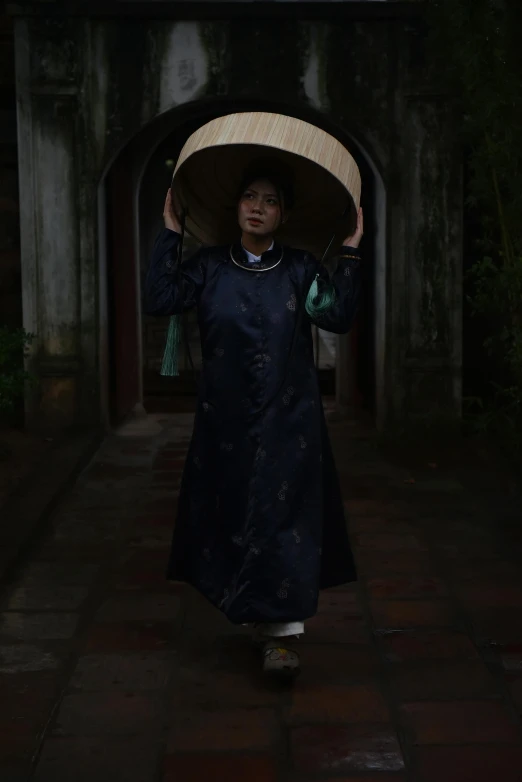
351,368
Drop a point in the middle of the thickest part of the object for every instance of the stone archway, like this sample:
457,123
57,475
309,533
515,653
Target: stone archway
122,84
359,357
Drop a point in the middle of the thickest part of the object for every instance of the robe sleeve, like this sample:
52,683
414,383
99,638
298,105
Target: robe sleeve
346,281
169,290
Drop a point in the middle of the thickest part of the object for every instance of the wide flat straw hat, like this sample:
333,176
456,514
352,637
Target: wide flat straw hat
212,164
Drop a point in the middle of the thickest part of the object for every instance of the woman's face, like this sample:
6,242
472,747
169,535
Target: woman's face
259,211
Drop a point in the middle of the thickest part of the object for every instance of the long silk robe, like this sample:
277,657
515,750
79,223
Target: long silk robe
260,526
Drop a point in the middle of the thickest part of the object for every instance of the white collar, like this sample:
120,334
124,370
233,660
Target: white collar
255,258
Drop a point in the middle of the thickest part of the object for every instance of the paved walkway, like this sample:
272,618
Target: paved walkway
110,674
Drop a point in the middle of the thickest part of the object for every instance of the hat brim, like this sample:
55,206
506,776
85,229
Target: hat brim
213,162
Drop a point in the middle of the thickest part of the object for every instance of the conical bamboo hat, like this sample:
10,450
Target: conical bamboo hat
211,165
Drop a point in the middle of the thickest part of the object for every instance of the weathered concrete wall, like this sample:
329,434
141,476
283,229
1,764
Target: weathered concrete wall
10,284
431,198
88,87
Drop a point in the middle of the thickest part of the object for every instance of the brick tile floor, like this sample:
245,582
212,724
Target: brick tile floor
110,673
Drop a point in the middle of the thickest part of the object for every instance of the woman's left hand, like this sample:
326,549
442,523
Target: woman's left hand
354,241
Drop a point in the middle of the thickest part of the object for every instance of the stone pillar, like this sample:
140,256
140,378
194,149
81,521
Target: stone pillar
432,318
47,94
10,303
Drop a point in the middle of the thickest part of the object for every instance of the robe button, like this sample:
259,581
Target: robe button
169,264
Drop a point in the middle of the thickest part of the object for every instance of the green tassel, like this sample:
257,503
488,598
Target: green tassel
318,304
169,367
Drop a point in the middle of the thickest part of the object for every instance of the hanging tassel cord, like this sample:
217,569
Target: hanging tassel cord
318,302
170,363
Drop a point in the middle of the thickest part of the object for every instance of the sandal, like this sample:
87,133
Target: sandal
280,660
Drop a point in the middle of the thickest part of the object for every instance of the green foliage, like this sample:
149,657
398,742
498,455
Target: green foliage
13,345
501,415
477,51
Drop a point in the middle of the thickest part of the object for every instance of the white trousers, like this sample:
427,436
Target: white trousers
282,629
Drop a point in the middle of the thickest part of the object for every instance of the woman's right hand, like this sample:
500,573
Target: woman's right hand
170,213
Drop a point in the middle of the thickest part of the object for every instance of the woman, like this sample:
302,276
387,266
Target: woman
260,526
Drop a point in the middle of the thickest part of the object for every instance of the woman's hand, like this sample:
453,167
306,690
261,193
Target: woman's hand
170,213
354,241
